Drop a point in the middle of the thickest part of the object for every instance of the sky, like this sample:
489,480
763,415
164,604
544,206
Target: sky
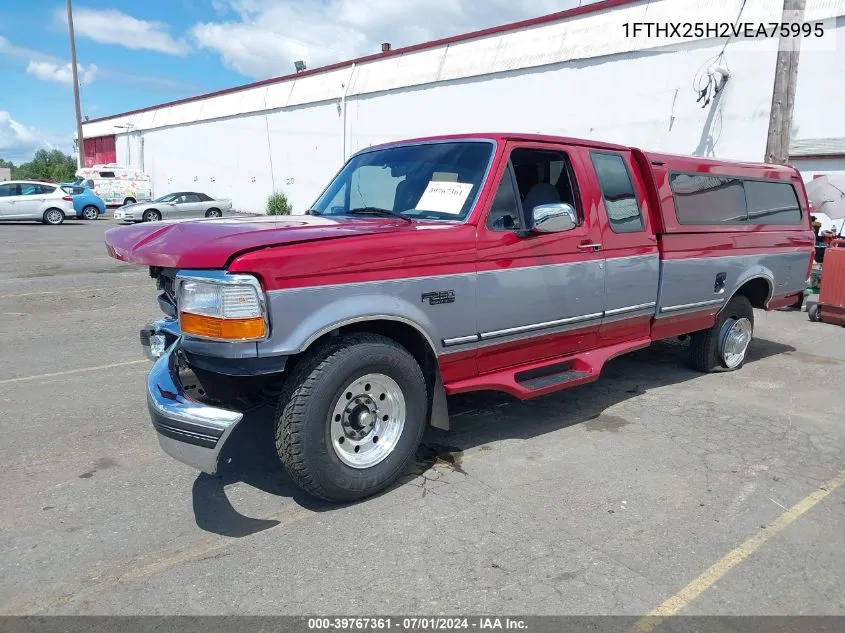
141,53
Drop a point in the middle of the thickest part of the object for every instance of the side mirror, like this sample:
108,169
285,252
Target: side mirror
553,218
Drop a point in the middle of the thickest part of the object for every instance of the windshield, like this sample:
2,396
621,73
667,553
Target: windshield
435,181
168,198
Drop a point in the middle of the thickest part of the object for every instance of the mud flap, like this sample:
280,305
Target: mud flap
439,408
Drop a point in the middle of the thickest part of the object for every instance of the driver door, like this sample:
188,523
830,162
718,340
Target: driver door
538,295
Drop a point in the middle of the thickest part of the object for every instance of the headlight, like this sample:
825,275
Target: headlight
229,309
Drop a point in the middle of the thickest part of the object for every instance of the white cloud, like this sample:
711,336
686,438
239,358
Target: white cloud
61,73
111,26
18,142
270,34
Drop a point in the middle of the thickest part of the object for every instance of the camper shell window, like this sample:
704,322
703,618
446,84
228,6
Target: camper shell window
702,198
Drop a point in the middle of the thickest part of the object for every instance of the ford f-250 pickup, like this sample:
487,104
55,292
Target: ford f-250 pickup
431,267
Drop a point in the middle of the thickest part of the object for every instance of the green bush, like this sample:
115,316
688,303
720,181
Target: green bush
278,204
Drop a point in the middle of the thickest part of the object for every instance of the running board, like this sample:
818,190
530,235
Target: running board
547,376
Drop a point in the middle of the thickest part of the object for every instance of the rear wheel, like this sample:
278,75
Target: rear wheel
152,216
351,417
814,312
214,213
53,216
90,212
129,201
725,345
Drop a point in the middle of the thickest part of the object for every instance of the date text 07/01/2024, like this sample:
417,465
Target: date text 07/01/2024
416,623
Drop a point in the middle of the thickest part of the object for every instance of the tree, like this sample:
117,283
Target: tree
46,164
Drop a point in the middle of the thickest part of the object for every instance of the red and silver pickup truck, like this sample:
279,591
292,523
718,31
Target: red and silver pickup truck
431,267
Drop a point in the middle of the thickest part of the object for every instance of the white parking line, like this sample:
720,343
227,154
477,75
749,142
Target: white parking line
68,372
64,292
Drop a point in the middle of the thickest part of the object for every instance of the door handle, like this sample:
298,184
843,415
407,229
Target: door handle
591,246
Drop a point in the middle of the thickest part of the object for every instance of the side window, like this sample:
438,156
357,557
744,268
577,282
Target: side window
620,201
772,203
708,199
106,174
7,190
204,198
45,189
542,177
28,189
89,184
191,197
504,212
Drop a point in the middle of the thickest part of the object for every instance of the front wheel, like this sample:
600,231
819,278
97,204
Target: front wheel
90,212
152,216
351,417
725,345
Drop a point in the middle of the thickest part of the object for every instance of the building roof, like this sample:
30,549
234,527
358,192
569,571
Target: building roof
817,148
513,26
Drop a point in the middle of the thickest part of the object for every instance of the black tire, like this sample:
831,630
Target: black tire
704,352
129,201
151,215
814,313
90,212
53,217
304,416
214,213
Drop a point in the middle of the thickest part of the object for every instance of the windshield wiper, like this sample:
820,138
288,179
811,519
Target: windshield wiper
378,211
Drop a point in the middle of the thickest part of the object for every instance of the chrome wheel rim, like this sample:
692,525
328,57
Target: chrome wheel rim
90,213
149,216
367,420
736,336
214,214
54,217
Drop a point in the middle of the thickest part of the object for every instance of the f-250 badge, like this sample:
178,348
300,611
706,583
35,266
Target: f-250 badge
439,297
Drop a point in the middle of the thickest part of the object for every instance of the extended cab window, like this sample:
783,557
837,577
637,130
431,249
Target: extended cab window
541,177
620,201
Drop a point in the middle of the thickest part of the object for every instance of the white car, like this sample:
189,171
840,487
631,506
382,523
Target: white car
35,200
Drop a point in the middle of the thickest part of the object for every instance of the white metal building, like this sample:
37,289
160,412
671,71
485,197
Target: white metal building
573,73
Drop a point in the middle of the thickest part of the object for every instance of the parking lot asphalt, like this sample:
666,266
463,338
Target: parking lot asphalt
654,486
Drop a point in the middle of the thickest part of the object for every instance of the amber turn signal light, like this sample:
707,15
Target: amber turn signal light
217,328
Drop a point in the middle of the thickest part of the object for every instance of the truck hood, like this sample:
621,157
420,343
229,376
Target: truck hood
212,243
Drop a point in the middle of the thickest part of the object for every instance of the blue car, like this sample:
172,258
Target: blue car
87,204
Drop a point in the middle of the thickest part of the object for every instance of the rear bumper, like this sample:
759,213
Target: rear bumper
188,430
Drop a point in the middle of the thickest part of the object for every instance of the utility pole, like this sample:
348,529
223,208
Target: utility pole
80,143
786,77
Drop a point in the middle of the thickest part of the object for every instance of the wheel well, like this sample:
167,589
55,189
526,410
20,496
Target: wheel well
757,291
406,335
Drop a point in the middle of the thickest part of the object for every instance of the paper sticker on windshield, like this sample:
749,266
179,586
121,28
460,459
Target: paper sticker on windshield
444,197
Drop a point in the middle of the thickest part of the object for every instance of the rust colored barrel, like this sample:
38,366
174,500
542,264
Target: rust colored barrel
832,291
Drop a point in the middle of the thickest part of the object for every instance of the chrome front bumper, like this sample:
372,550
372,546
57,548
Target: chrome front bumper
188,430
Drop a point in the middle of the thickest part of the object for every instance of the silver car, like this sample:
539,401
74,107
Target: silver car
35,200
183,204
